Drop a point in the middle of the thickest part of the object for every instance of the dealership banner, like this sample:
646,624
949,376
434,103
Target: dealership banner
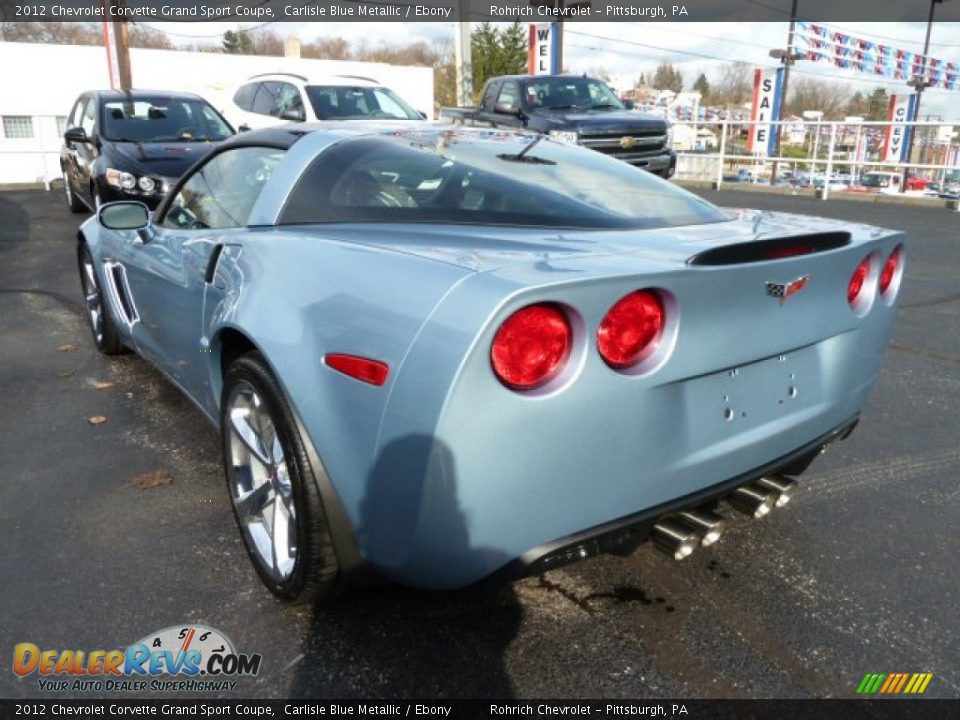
544,54
896,138
765,110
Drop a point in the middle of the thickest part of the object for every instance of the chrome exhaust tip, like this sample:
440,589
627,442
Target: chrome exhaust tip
710,526
753,500
675,539
783,487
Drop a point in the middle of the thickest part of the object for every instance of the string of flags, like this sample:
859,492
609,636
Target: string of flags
821,44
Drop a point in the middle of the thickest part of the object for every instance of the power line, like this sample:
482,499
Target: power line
840,27
749,63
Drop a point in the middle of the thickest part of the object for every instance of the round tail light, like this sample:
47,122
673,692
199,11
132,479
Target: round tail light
531,347
631,329
857,284
889,271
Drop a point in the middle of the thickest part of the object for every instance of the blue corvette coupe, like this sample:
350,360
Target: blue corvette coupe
440,354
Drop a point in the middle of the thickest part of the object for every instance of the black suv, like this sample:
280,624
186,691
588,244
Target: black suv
134,145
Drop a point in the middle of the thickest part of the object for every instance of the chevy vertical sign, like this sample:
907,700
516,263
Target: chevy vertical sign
544,54
765,110
897,135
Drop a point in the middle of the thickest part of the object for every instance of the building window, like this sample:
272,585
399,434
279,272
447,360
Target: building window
17,126
61,124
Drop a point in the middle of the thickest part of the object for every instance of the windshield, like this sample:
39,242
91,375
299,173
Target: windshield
569,93
146,119
875,180
485,178
337,102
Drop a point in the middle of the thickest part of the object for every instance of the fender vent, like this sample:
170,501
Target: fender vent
773,249
121,293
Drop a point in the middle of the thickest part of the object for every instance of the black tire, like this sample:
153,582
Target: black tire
315,566
73,202
104,332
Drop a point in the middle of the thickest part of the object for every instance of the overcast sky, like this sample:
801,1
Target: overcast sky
631,48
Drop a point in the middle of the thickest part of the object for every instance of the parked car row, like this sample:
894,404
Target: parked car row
136,145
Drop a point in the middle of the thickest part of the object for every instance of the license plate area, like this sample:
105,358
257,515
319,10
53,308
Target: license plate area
740,399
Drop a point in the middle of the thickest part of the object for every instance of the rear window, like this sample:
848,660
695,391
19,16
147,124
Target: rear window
162,119
485,178
336,102
243,98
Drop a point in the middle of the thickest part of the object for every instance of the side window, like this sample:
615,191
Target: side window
509,94
89,116
222,193
490,96
289,100
243,99
266,101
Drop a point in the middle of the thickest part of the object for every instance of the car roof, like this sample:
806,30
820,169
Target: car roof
141,94
338,80
558,76
284,136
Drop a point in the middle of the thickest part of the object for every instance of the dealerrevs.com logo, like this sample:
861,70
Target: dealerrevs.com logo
179,658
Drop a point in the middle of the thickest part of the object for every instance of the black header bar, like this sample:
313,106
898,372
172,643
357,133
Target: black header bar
526,11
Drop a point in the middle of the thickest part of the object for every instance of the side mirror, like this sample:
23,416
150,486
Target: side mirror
292,115
77,135
422,114
628,104
506,109
124,215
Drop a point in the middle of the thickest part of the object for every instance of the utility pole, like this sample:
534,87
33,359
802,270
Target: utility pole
787,57
116,41
462,59
920,83
121,34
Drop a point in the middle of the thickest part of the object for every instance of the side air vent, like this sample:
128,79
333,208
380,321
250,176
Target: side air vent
772,249
121,293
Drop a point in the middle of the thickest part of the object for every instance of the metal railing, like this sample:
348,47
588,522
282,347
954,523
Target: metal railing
819,148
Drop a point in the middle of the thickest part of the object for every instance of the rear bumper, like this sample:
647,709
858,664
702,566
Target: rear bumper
625,534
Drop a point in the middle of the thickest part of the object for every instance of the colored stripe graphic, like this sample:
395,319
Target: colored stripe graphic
894,683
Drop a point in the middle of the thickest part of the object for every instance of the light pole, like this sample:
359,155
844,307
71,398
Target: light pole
920,83
858,122
814,115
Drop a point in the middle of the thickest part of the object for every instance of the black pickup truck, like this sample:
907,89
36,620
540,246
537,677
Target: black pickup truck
576,109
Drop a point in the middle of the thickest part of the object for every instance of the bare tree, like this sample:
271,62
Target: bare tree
142,36
58,33
334,48
265,42
734,86
809,93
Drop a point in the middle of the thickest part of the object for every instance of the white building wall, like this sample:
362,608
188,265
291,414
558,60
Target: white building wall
42,82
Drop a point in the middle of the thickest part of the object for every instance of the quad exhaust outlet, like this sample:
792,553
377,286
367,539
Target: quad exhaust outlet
674,538
680,535
782,486
709,525
753,500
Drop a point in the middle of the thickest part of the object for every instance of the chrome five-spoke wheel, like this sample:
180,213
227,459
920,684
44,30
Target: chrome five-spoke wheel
272,484
260,482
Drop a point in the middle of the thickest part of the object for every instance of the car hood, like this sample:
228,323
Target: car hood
485,249
623,121
166,159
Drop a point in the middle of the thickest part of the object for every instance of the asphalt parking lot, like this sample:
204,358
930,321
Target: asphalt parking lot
858,574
